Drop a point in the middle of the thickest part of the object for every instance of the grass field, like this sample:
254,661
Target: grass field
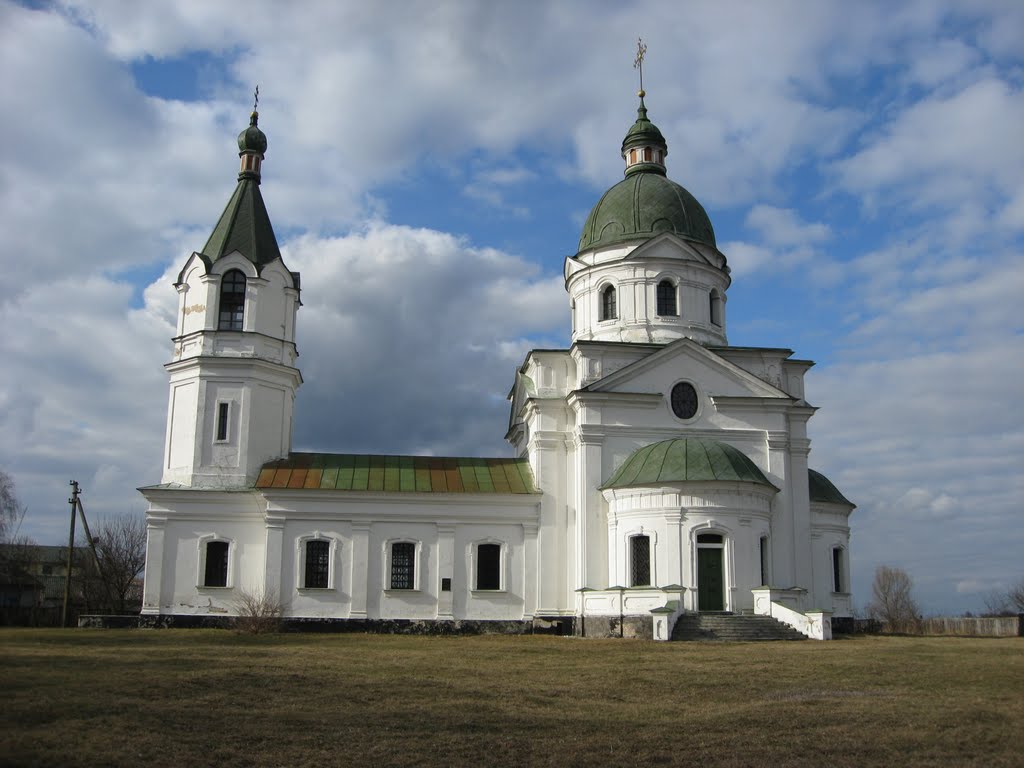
195,698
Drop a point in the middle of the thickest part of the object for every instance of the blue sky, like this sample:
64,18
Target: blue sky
430,166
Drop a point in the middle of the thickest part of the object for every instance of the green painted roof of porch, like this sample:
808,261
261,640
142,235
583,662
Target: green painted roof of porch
823,490
397,474
686,460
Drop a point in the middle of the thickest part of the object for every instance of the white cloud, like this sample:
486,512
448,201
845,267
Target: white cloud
783,227
413,330
945,150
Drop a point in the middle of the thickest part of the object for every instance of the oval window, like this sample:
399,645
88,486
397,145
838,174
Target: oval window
684,400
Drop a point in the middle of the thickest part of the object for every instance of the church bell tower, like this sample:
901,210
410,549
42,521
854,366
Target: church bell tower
233,376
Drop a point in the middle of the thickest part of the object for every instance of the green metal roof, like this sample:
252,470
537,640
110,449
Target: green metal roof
646,202
641,206
686,460
244,227
252,139
822,490
397,474
643,133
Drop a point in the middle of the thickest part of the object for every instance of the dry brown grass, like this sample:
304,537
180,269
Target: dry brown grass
168,698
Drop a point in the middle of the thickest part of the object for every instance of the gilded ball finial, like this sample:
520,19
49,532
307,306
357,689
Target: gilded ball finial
641,93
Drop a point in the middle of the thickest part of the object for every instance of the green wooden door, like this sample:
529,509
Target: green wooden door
710,593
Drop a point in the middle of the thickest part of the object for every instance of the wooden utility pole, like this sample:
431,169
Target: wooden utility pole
65,613
95,554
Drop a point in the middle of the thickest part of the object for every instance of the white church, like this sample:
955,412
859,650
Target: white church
658,477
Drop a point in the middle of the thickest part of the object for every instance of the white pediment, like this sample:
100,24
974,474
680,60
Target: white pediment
668,246
686,360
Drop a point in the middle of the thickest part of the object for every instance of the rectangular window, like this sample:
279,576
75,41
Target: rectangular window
216,574
403,565
223,412
318,564
837,570
488,566
764,561
640,561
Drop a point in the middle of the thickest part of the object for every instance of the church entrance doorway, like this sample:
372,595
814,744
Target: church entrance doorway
710,578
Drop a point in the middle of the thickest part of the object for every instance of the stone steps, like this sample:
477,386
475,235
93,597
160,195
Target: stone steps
732,628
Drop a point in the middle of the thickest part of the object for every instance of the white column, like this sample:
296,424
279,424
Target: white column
531,570
670,562
359,577
446,569
274,559
783,551
153,577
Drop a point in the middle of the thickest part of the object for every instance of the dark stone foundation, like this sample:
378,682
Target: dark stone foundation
554,625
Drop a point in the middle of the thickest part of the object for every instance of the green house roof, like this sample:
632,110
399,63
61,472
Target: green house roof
397,474
822,490
685,460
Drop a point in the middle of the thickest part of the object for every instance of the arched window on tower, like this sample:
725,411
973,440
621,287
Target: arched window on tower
608,308
667,299
232,301
715,309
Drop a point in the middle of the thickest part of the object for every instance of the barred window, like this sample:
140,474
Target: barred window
488,566
764,560
640,561
232,301
216,572
403,565
608,308
667,299
318,564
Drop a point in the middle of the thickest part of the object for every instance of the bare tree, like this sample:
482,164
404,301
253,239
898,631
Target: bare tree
1016,596
121,550
1008,603
11,510
892,600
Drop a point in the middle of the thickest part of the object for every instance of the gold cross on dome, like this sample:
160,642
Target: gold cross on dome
638,62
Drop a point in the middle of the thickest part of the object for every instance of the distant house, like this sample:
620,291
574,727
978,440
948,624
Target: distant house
32,579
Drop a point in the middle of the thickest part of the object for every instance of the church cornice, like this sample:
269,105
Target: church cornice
585,397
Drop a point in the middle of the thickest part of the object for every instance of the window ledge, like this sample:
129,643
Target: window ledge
485,592
204,586
397,591
314,589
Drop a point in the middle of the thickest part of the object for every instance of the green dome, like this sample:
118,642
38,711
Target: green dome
641,206
646,202
822,490
252,139
686,460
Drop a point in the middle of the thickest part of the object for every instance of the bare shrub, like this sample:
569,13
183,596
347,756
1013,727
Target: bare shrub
258,612
892,600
